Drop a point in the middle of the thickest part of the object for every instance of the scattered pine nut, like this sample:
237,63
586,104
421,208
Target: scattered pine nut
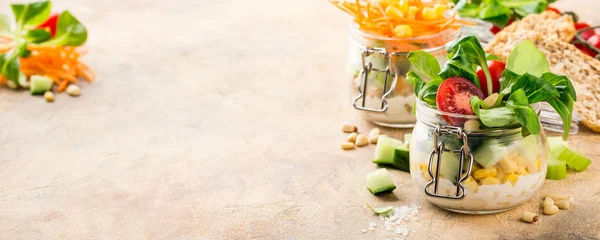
49,96
352,137
551,210
557,197
471,125
348,128
548,202
361,140
11,85
73,90
347,145
490,101
530,217
563,204
373,140
374,132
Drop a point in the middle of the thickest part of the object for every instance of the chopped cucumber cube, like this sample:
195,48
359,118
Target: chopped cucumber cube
380,181
385,150
489,153
380,210
39,84
557,169
401,158
573,159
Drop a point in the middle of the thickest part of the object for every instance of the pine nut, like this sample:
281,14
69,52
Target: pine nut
530,217
352,137
49,96
373,139
563,204
374,132
349,128
73,90
557,197
11,85
551,210
347,145
471,125
490,101
548,202
361,140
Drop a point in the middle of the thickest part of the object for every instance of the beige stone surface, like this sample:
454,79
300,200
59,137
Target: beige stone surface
220,120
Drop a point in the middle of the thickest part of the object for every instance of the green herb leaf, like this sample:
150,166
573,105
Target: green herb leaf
4,24
424,64
563,104
428,94
489,57
495,117
470,50
457,67
526,58
469,10
69,31
525,113
381,210
495,13
31,14
37,35
415,80
9,66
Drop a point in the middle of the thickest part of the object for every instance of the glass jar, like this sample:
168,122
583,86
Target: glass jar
377,66
499,168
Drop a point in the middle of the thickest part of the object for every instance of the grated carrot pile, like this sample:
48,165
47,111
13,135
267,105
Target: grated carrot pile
61,64
401,18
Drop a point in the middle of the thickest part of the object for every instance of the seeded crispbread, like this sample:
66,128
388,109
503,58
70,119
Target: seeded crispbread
564,58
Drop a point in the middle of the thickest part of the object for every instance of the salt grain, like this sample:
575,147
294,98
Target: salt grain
371,228
364,230
373,224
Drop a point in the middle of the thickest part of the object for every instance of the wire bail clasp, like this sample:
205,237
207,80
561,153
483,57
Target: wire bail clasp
440,148
361,85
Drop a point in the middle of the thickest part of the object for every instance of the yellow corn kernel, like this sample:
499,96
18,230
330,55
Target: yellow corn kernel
412,12
471,183
521,170
393,12
403,5
500,173
475,167
486,172
508,165
403,31
425,172
512,178
440,9
520,161
429,14
489,181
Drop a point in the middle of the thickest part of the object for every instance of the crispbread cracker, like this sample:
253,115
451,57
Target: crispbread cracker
564,58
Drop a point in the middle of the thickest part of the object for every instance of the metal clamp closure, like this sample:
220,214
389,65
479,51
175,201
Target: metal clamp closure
440,148
361,85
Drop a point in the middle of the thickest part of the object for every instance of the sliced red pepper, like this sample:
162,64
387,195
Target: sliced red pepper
50,24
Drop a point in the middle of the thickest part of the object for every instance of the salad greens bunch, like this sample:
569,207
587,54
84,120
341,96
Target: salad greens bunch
526,80
500,12
26,30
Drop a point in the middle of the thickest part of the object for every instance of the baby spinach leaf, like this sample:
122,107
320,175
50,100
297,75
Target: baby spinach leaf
9,66
4,24
525,113
536,89
489,56
526,58
381,210
454,68
470,50
31,14
468,9
495,13
495,117
415,80
37,35
69,31
428,94
563,104
424,64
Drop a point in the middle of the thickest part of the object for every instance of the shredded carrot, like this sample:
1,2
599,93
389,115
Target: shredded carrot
382,17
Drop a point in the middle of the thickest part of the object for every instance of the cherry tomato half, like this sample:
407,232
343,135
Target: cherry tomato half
587,34
585,49
548,8
454,96
595,41
495,29
50,24
496,69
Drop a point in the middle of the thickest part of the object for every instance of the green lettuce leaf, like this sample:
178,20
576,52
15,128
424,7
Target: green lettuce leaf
524,112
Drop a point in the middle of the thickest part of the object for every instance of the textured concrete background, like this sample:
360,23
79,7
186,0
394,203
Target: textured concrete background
220,120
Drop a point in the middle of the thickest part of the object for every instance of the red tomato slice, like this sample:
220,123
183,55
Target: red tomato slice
495,29
587,34
595,41
585,49
496,69
454,96
50,24
548,8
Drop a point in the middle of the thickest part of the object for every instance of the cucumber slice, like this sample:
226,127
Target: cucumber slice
381,210
380,181
449,166
573,159
489,153
385,150
39,84
401,159
557,169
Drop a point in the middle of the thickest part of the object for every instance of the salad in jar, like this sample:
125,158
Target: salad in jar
478,146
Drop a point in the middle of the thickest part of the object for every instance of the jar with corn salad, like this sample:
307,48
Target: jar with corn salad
478,146
381,36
